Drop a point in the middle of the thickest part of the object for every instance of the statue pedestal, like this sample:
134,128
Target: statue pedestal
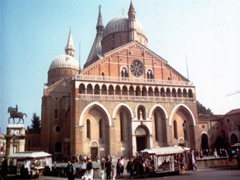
15,138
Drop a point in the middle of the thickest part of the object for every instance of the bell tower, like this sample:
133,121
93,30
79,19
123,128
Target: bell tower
132,23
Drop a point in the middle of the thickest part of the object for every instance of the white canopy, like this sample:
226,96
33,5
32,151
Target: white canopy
29,155
166,150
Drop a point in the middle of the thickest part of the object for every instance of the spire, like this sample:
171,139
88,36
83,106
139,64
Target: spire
96,50
100,25
132,23
70,49
131,8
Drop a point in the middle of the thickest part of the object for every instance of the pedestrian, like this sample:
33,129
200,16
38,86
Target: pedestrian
82,168
70,170
122,166
102,174
130,168
215,154
103,163
194,165
118,168
89,168
113,172
108,166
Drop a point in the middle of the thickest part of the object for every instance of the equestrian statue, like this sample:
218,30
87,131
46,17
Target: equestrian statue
15,114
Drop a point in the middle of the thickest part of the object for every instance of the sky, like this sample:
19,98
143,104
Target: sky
198,38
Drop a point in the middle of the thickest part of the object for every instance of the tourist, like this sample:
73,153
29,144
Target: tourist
130,168
89,168
82,168
122,166
108,166
113,172
118,167
70,170
103,162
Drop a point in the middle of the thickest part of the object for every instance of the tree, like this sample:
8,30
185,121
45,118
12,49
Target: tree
202,109
36,122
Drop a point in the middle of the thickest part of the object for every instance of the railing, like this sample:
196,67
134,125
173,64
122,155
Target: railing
91,97
131,80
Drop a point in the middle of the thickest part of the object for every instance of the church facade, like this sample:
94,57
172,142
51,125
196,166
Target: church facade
125,99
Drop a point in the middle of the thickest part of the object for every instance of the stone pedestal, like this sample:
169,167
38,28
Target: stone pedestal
15,138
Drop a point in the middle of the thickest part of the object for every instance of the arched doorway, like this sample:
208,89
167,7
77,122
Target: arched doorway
142,138
204,141
94,151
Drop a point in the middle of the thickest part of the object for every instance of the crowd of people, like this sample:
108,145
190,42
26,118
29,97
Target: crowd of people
139,165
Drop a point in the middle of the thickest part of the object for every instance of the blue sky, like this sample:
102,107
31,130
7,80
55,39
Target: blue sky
205,32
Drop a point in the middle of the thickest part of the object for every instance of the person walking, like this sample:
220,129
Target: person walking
108,167
89,168
118,168
82,168
70,170
122,166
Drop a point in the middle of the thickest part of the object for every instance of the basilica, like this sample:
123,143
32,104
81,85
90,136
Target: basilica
126,98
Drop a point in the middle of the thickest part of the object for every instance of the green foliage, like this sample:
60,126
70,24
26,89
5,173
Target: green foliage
36,123
202,109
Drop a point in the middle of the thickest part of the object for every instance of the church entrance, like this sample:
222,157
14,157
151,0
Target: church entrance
142,139
94,152
141,143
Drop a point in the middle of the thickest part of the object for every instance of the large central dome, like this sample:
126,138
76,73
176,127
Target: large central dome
120,24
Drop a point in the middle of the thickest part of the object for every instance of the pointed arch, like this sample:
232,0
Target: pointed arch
91,105
187,109
154,107
118,106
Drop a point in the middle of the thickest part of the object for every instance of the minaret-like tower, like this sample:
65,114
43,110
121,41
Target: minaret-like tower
96,50
132,23
70,49
99,26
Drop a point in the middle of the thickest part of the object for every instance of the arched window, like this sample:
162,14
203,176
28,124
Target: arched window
58,147
100,128
190,93
121,126
81,89
175,131
88,129
156,125
124,72
150,75
56,113
103,75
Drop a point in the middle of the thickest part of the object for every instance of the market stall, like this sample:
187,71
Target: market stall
30,163
163,159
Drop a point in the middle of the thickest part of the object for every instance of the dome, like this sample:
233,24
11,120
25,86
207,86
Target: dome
64,61
120,24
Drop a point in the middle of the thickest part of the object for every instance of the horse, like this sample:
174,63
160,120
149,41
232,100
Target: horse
14,114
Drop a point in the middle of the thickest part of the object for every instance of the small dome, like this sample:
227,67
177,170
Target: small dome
120,24
64,61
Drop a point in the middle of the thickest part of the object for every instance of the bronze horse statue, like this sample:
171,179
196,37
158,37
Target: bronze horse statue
15,114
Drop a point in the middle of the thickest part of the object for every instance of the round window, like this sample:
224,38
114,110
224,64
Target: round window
58,129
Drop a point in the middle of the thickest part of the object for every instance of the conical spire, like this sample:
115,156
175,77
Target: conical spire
96,50
70,49
132,23
131,8
100,25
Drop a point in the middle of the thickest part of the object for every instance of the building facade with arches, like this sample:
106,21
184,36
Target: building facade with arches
219,131
125,99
